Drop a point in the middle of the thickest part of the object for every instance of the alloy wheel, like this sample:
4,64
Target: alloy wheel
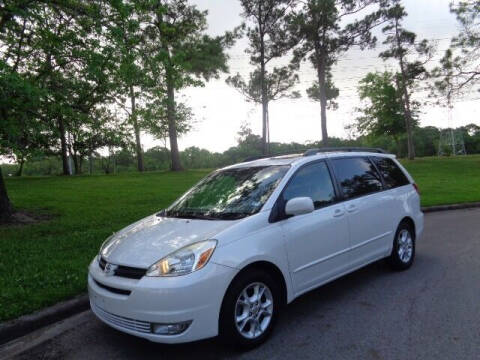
254,310
405,246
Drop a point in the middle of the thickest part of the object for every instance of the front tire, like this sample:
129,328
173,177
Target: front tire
403,251
250,309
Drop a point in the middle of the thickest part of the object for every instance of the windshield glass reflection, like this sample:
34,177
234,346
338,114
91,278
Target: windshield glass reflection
229,194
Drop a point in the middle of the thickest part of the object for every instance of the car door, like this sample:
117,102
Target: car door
367,206
316,243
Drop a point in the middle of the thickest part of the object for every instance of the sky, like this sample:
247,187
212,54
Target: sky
220,110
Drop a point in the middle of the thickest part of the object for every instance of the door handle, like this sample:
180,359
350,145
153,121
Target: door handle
338,213
351,208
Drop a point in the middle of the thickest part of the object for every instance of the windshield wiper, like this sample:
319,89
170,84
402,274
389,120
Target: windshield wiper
189,215
231,215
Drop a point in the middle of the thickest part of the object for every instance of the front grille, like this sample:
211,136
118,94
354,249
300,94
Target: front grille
130,272
124,271
112,289
120,321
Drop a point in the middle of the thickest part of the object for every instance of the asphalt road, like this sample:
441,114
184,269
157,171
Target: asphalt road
431,311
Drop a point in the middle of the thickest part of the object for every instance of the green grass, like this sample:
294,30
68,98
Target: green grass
446,180
44,263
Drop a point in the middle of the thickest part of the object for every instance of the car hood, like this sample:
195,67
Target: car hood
148,240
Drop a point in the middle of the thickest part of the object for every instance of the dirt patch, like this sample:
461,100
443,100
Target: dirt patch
22,217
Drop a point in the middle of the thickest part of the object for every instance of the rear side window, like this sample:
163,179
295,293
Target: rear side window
392,174
312,181
357,176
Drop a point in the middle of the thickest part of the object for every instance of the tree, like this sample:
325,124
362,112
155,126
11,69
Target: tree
19,96
382,114
155,118
326,29
19,104
466,45
180,55
5,205
58,45
126,33
278,84
401,45
331,92
103,129
445,85
268,40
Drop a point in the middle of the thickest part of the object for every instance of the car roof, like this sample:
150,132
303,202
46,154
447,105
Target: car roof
298,159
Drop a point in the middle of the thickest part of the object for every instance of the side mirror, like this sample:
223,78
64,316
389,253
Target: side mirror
299,206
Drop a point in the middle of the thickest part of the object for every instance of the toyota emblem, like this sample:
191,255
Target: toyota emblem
110,269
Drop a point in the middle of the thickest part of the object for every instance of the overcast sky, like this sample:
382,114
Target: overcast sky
220,110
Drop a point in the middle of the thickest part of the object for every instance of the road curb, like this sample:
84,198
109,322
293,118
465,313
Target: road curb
430,209
28,323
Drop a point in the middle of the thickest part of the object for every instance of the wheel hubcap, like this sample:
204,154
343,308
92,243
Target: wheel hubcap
405,246
253,310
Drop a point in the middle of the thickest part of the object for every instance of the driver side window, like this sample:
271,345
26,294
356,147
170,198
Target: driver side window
312,181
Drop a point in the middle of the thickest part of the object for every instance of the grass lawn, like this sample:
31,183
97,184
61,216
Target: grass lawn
44,263
448,180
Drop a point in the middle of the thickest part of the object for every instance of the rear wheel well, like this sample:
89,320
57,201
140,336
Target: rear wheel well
408,220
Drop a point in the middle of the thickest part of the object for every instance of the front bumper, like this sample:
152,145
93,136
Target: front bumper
196,297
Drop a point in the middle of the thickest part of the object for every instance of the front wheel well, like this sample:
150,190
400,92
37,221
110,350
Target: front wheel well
272,270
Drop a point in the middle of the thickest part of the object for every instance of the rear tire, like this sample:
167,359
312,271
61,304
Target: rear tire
250,309
403,251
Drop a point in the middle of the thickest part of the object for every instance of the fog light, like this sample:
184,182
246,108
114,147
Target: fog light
170,329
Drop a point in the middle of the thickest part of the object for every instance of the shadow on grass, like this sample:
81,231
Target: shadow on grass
21,217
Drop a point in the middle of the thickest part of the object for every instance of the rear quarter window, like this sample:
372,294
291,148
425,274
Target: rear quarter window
392,174
357,176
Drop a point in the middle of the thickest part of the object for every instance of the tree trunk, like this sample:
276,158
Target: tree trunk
406,100
63,141
90,164
20,169
172,126
136,128
322,85
5,206
76,164
396,140
408,115
265,127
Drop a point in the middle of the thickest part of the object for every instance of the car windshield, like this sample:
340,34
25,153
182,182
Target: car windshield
229,194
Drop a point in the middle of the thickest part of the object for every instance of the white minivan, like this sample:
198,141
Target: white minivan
248,239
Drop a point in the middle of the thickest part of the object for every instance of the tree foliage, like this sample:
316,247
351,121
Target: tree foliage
326,29
466,45
268,38
180,54
382,111
125,32
411,57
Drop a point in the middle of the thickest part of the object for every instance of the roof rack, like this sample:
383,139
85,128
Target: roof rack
259,157
312,152
253,158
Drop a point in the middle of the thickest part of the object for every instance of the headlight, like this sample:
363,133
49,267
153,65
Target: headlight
106,243
184,261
